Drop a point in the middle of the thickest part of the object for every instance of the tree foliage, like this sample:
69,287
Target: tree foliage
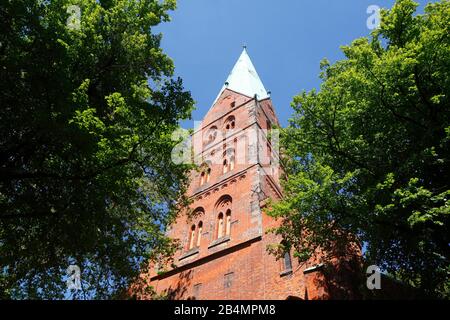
368,153
86,118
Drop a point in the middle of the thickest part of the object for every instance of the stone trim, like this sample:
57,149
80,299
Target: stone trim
202,260
189,253
219,241
285,272
313,268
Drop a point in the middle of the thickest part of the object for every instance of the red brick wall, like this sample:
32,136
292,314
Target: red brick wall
238,267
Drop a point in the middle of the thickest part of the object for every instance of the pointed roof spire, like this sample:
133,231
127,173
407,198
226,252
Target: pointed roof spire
244,78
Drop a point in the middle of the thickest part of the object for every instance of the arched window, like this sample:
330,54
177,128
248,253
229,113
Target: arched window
228,223
202,178
192,238
220,226
286,261
205,175
210,135
225,166
228,160
199,233
223,206
230,123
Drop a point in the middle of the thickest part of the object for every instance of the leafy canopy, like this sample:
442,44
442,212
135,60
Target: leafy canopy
368,154
86,117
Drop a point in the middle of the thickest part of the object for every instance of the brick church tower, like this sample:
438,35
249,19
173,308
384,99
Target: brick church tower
224,240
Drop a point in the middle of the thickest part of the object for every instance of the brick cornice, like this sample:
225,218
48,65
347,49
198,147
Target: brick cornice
207,258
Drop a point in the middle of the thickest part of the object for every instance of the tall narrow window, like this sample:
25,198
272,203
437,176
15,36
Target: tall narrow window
231,163
192,238
199,233
220,226
208,174
228,223
225,166
202,178
287,263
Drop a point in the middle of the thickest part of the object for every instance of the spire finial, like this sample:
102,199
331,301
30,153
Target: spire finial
244,46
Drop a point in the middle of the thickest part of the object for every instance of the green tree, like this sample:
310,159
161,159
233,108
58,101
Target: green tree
368,154
88,105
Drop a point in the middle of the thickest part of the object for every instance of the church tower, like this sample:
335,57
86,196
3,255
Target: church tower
224,240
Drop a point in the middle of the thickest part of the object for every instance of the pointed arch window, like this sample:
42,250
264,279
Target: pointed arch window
228,160
220,226
228,223
210,135
223,207
225,166
191,238
202,178
199,233
205,175
230,123
286,261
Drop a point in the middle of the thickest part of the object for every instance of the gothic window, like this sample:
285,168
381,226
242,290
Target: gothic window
202,178
223,206
230,123
225,166
229,160
287,263
210,135
220,226
286,259
192,238
228,223
205,175
199,233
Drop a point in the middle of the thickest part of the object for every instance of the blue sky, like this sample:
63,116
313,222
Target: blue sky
285,39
